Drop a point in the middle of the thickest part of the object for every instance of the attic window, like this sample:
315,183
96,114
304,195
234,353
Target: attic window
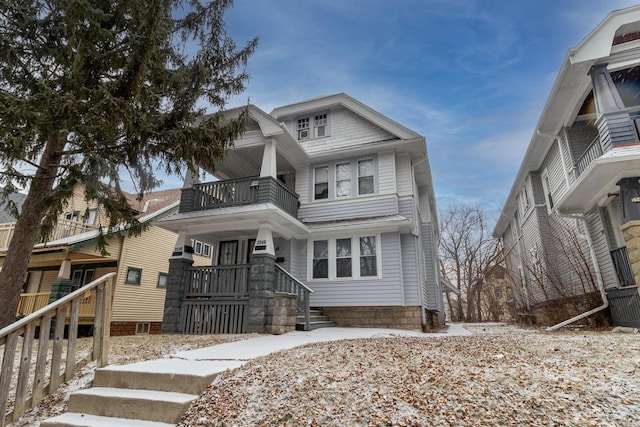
317,122
303,128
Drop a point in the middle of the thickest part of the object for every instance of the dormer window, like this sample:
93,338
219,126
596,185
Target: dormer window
320,126
316,123
303,128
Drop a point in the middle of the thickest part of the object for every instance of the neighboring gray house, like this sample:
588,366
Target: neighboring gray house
325,193
571,222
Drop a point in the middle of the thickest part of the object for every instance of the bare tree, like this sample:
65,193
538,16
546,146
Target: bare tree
468,252
560,277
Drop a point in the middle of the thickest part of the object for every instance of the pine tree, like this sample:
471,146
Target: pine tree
92,89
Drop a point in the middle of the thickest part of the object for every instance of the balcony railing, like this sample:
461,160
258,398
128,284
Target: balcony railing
239,192
622,266
592,152
64,228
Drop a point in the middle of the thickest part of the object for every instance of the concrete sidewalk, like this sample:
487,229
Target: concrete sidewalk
266,344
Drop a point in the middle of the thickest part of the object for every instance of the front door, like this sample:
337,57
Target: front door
228,252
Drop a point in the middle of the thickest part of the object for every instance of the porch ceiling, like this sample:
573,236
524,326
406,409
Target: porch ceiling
599,179
235,221
244,162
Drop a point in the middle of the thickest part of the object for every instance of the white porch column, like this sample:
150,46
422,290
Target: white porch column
183,247
191,176
264,241
269,167
65,269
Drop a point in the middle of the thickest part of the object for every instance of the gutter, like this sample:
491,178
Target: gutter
596,267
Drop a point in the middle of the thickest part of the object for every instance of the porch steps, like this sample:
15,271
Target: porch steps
146,394
317,320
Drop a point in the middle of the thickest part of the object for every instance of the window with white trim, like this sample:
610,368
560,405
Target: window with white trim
321,183
344,258
201,248
320,125
317,122
344,179
320,259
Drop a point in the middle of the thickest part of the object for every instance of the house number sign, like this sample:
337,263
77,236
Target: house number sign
261,245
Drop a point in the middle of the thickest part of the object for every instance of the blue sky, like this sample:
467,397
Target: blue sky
472,76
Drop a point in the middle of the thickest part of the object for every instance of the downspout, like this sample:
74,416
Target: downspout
423,314
596,267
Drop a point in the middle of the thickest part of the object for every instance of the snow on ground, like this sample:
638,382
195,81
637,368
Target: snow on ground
500,375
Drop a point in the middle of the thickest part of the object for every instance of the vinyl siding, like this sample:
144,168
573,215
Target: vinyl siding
407,207
149,252
581,135
360,207
601,247
403,175
386,173
410,269
432,294
386,291
346,130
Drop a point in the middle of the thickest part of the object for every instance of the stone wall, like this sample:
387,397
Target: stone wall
376,317
281,313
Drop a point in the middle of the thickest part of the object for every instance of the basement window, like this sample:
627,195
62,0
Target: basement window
142,328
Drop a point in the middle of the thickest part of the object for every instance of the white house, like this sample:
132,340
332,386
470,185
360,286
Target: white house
571,221
326,198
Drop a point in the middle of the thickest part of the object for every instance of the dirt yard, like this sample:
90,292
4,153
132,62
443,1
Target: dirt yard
501,375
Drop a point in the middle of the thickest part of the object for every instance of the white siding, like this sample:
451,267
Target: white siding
346,130
386,173
386,291
360,207
302,183
410,275
403,174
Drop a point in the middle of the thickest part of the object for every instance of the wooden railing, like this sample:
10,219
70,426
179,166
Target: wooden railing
64,228
30,303
25,387
593,151
286,282
218,281
239,192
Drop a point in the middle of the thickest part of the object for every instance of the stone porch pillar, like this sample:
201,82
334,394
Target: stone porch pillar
630,204
631,233
614,123
261,280
179,262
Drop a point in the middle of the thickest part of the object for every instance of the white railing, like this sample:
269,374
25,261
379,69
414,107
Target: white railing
24,387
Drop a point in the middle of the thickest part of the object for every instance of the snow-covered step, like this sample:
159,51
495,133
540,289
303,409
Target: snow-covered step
177,375
151,405
72,419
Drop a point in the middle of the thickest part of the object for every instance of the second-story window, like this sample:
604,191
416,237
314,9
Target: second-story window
321,183
365,177
343,179
320,125
314,126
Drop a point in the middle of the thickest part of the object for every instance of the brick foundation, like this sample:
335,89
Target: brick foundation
376,317
129,328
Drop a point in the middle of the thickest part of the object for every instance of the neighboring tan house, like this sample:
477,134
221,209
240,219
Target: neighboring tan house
70,259
325,193
571,221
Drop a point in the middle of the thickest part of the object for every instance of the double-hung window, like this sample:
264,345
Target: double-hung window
321,183
343,179
344,258
365,177
320,125
346,178
320,259
316,123
303,128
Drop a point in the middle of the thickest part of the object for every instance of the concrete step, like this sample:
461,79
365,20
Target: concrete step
318,318
325,324
72,419
150,405
176,375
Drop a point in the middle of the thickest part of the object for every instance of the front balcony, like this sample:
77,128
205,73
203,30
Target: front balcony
239,192
593,152
64,228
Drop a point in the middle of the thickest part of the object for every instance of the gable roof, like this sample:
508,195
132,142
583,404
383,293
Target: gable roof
344,100
572,84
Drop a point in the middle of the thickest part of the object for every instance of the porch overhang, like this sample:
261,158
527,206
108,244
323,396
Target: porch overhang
599,180
231,220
